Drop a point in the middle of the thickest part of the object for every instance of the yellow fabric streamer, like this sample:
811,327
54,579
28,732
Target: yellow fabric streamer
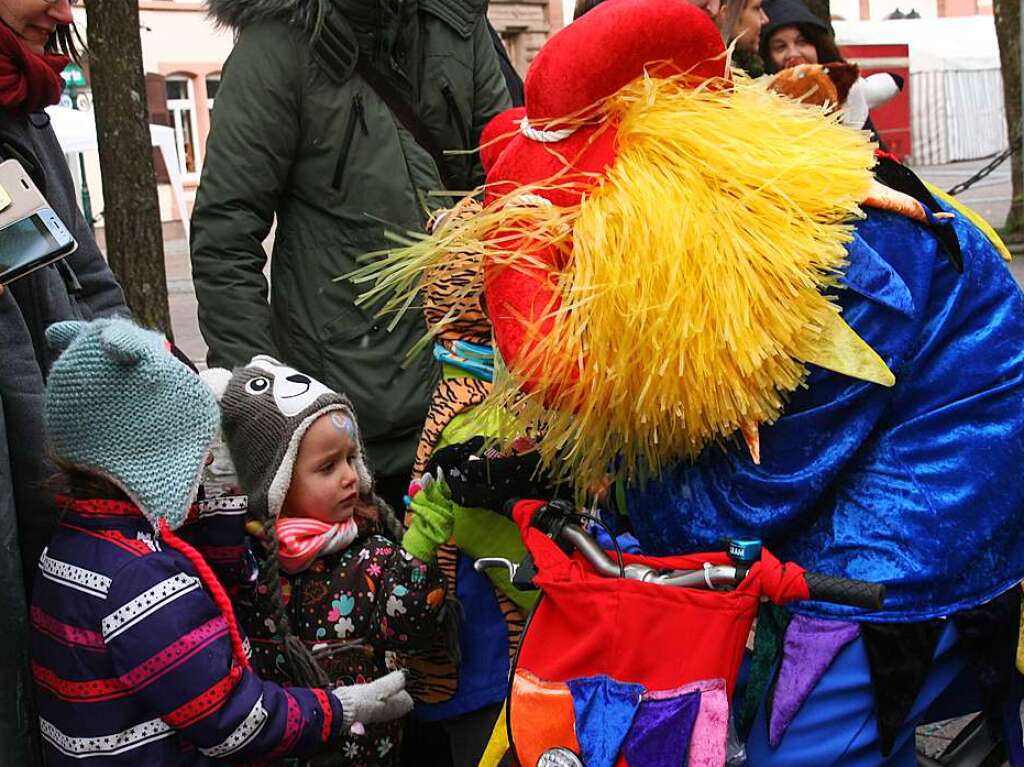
498,743
975,218
694,292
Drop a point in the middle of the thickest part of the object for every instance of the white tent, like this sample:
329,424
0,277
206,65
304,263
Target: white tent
76,132
956,86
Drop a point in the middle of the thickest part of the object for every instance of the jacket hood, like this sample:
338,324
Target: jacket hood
235,14
786,13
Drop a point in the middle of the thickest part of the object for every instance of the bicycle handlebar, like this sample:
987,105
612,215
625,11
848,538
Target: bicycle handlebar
554,521
845,591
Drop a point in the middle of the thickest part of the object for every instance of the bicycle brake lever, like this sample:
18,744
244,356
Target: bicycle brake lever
485,563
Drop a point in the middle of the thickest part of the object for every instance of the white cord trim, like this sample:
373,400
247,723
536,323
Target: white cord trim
528,199
544,136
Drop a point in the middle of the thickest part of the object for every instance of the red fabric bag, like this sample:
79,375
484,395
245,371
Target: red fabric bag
661,637
658,636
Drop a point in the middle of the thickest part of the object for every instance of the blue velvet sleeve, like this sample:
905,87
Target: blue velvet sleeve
884,484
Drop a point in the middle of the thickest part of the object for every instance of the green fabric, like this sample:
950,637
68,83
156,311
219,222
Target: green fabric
481,532
336,168
432,523
772,621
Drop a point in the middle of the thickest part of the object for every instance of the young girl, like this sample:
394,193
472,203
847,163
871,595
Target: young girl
136,654
335,594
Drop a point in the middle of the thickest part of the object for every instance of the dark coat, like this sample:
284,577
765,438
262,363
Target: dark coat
299,134
80,288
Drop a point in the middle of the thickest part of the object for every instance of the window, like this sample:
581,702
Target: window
212,84
181,104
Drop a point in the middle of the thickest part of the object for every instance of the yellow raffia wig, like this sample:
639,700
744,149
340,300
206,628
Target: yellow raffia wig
689,280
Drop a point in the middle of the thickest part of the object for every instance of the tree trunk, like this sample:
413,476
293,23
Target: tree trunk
1007,17
131,213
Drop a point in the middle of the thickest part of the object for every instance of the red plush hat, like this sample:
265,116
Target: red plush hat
565,147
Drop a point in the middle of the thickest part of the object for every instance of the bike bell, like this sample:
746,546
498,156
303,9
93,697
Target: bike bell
559,757
744,551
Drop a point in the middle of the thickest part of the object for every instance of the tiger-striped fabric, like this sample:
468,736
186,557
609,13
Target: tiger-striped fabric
451,397
451,306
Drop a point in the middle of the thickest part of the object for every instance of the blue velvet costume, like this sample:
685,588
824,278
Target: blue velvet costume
917,485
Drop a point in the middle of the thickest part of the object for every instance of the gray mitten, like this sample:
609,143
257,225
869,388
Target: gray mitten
381,700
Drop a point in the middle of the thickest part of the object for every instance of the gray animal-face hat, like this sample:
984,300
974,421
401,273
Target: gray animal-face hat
267,408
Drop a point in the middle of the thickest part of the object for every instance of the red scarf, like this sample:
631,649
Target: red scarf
28,81
300,540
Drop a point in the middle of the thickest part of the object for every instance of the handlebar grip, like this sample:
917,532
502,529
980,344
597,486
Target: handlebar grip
845,591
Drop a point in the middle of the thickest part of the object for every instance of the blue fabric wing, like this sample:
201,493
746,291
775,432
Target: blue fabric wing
884,484
604,711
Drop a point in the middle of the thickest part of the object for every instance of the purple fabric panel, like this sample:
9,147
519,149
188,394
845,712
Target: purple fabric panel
660,735
810,646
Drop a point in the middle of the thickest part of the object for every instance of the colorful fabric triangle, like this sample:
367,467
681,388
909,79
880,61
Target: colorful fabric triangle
772,621
710,731
808,649
660,735
604,711
900,656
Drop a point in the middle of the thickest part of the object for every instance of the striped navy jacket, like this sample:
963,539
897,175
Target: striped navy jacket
132,659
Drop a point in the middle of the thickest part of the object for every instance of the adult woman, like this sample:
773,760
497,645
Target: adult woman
35,39
741,21
793,35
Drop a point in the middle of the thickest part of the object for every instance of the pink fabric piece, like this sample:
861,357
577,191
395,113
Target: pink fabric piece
301,540
69,635
707,744
708,741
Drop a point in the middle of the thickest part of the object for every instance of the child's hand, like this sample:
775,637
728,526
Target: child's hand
382,700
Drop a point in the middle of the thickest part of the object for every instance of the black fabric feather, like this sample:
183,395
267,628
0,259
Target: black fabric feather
900,656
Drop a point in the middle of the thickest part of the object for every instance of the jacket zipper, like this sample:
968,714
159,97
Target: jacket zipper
356,116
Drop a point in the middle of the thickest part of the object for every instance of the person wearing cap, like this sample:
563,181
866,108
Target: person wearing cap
137,657
794,35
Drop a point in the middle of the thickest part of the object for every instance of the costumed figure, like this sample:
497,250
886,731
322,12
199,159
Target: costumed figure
726,300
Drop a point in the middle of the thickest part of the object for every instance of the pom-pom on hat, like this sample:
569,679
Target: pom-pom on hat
119,405
267,408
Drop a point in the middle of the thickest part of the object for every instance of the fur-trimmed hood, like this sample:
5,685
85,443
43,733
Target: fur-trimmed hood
235,14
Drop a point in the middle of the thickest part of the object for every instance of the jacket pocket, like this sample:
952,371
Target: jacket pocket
356,118
455,114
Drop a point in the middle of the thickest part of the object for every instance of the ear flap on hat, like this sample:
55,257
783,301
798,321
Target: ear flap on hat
60,334
217,379
123,344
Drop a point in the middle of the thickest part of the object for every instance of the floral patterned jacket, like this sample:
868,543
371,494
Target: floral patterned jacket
355,609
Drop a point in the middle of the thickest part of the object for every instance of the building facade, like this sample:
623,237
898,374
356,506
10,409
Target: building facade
878,10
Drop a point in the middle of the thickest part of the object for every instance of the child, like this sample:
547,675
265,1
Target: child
136,654
335,594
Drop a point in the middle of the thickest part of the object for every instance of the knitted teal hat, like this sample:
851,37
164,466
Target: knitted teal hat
119,405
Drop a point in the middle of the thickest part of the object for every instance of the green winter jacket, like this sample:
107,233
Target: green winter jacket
297,133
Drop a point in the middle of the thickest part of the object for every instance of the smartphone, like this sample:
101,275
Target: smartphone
20,196
31,243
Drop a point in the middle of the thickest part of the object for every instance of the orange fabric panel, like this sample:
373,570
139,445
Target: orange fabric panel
541,717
